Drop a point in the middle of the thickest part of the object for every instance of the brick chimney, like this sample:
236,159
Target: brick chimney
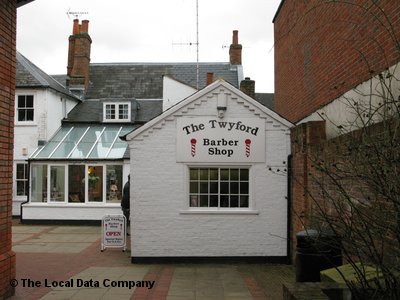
210,78
248,87
235,50
79,56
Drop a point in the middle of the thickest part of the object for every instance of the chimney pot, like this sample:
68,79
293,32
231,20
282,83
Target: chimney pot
235,38
235,50
85,26
75,28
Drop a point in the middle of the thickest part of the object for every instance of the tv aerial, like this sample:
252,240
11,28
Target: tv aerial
76,14
194,44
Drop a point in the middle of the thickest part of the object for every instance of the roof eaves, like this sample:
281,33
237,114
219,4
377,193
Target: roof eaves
278,11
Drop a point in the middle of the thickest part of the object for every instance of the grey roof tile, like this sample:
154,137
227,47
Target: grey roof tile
28,75
266,99
91,110
145,80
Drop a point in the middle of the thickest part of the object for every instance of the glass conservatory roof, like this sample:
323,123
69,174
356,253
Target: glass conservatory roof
85,142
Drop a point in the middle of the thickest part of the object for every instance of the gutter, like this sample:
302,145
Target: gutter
278,10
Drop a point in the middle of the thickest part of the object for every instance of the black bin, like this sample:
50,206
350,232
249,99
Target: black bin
316,251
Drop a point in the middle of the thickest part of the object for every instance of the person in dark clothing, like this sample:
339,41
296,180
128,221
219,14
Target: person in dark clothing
125,202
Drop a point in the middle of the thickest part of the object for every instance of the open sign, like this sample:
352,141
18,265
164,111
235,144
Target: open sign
113,232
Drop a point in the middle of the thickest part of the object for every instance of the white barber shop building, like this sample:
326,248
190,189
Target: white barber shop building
209,179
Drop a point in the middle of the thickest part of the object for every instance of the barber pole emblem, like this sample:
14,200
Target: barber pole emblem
247,142
193,147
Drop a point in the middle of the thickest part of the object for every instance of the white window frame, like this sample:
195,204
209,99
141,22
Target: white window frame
116,107
18,94
16,196
49,195
66,187
219,208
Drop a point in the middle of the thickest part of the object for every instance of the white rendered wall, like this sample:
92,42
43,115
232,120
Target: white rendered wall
68,211
342,112
174,91
163,225
48,113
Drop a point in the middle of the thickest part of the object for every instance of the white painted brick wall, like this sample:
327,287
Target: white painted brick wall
159,195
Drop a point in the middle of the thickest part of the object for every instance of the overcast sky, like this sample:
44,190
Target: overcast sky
152,31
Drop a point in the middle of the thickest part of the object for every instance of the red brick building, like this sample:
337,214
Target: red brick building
325,48
8,15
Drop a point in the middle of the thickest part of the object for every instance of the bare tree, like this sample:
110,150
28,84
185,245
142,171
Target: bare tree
355,177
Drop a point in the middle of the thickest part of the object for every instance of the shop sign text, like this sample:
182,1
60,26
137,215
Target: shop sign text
213,140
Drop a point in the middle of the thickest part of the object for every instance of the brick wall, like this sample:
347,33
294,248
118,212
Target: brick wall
7,94
303,138
325,48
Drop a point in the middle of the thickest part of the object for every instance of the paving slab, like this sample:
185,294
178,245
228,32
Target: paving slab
61,253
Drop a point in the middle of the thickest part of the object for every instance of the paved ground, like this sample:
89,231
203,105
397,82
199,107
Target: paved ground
51,256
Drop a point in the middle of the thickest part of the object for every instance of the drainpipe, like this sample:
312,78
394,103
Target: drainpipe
289,208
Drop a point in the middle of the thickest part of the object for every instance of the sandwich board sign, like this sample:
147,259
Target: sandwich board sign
113,232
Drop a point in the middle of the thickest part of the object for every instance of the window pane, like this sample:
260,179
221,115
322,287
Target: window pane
76,183
214,187
21,115
234,201
224,201
234,187
57,183
69,142
95,183
21,188
244,187
87,142
194,187
224,174
203,174
244,201
244,174
29,101
214,201
20,171
203,187
234,174
39,183
213,174
21,102
29,115
203,201
194,174
114,184
224,187
118,150
194,201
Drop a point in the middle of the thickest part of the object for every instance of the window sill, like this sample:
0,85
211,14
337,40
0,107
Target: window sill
25,124
219,212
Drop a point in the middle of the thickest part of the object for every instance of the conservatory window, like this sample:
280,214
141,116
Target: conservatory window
95,183
39,183
76,186
57,183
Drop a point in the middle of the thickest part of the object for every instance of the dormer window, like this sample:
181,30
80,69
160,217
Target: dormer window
117,112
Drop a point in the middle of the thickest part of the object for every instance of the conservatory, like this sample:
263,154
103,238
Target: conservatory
79,174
